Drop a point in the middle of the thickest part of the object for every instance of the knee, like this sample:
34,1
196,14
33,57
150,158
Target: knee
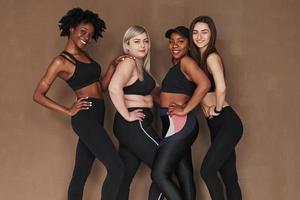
158,176
207,172
117,170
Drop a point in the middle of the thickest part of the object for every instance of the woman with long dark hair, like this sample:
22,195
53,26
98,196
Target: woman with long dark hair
224,124
82,74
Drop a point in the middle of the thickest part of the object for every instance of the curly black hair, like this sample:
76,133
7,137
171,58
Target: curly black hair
76,16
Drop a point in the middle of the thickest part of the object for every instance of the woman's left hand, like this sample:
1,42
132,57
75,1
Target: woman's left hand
211,112
176,109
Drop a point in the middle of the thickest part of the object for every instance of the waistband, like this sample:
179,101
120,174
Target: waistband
143,108
224,111
163,111
93,99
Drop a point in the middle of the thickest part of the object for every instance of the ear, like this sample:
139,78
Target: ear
71,30
127,46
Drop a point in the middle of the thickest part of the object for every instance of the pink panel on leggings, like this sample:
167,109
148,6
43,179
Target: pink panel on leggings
179,122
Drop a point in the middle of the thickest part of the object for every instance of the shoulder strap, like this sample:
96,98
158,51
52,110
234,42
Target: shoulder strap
68,57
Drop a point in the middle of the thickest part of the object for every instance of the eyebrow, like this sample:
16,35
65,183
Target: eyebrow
140,39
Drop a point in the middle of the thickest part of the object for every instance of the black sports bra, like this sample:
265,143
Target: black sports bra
84,74
212,82
176,82
141,87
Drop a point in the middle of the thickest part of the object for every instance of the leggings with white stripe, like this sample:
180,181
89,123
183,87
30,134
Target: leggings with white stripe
174,156
138,142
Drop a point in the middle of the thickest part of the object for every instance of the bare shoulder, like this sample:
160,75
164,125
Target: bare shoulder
187,61
127,64
58,62
214,62
213,57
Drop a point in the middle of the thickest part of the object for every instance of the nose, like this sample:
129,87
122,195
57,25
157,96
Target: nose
199,36
175,44
142,44
87,37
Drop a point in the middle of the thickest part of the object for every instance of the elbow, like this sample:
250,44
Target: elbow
112,89
221,90
206,86
36,97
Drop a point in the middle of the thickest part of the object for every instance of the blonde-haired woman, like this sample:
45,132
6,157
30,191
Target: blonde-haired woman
130,89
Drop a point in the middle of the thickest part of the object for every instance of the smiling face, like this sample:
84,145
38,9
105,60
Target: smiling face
201,35
138,46
178,46
82,34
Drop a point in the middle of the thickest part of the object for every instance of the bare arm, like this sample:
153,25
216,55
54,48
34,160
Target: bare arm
105,80
44,85
193,71
119,80
215,66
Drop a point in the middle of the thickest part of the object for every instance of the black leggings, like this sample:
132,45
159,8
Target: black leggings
174,156
226,130
138,142
94,142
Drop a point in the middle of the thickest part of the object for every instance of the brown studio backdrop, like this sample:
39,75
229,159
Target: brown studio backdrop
258,41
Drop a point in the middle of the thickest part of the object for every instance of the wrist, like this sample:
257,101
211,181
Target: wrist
185,111
217,110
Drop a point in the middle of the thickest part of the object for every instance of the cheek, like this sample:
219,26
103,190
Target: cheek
194,38
207,37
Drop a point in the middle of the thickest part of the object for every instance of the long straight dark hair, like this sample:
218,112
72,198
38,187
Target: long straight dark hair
211,48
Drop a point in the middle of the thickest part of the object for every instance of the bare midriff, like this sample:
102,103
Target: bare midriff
93,90
167,98
134,101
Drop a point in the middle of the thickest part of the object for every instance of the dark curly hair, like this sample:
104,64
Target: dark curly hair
76,16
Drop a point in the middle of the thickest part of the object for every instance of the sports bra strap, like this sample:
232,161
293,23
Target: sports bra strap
69,54
67,58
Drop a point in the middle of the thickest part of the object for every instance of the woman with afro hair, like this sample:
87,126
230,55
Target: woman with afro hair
82,74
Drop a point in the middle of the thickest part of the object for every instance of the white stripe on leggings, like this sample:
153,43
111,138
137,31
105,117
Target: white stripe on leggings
147,133
160,195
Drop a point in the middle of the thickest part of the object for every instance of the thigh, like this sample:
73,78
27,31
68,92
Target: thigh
168,156
219,151
95,137
185,167
139,140
228,170
84,157
130,161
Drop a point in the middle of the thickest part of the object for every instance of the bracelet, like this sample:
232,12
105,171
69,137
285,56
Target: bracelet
217,111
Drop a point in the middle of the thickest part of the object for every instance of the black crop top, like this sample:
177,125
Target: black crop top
141,87
84,74
176,82
212,82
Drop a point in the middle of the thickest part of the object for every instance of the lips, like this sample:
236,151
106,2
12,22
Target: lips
175,51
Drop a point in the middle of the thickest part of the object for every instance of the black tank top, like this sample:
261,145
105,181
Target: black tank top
84,74
212,82
141,87
176,82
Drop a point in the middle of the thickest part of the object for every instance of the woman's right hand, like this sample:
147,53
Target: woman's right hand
79,104
136,115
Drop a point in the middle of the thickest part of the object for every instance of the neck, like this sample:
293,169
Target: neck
202,50
72,48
